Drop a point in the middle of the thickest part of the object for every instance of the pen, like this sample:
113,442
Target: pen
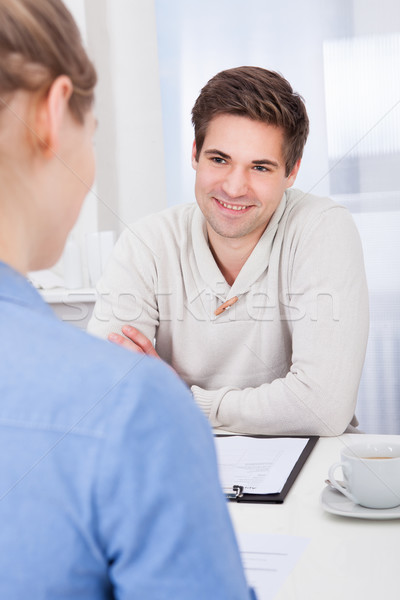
225,305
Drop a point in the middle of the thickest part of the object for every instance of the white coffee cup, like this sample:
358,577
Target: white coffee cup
371,472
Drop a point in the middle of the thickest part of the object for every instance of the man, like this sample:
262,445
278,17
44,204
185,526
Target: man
256,296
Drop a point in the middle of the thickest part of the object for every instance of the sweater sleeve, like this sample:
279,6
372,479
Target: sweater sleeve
127,289
326,309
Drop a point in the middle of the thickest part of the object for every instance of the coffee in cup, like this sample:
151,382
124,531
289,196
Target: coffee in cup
371,472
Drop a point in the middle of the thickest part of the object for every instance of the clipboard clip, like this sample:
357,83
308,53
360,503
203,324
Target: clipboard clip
237,492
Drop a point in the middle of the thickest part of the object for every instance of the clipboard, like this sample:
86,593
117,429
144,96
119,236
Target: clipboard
237,494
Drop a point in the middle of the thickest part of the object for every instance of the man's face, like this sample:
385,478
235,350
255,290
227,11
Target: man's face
240,176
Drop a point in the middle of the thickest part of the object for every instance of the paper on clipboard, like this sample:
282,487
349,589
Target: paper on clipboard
259,465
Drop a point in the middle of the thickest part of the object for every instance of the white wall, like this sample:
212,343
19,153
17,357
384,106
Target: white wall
130,180
130,176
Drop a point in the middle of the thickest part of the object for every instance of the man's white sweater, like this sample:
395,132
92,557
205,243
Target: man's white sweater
287,357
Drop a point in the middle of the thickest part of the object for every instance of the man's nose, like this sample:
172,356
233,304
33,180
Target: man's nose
235,183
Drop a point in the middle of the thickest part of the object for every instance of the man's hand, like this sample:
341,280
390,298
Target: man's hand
134,341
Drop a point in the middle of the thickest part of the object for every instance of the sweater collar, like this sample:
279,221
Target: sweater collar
254,267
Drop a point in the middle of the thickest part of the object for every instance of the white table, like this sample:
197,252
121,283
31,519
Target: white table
346,558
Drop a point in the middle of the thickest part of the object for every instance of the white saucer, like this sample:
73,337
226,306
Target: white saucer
336,503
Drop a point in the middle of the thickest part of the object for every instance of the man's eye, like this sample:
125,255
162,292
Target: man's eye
261,169
218,160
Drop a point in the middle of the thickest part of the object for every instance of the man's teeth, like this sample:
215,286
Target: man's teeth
232,206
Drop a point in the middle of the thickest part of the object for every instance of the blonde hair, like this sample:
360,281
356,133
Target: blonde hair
39,41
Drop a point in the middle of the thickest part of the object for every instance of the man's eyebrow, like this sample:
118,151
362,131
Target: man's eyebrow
265,161
219,152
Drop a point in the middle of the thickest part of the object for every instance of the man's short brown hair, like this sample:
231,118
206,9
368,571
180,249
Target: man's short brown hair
260,95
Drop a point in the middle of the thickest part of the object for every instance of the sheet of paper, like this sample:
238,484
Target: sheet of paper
268,560
260,465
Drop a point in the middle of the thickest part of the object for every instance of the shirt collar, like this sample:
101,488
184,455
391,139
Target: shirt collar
15,288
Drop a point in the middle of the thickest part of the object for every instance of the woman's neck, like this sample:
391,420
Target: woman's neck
16,227
12,249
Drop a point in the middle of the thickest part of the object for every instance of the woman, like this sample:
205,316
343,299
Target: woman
100,449
47,126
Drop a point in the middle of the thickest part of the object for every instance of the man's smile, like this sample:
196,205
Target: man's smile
234,207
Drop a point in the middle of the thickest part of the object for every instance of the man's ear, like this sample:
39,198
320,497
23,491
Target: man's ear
292,176
51,112
194,153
